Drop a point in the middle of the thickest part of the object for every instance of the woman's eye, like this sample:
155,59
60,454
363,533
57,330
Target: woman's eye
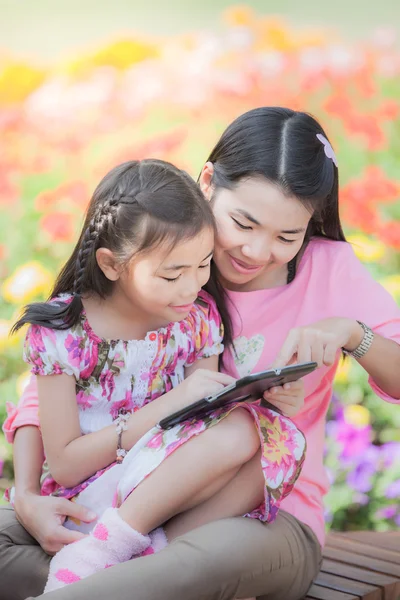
245,227
286,241
205,266
172,279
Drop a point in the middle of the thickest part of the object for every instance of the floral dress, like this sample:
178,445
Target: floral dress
115,376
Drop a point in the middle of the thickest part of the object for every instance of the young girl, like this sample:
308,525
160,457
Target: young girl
126,323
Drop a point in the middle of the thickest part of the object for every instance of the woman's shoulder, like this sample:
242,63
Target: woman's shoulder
326,255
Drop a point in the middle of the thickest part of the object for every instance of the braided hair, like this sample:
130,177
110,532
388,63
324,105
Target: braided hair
137,206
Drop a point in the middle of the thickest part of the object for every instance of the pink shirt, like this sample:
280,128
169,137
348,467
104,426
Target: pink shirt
330,282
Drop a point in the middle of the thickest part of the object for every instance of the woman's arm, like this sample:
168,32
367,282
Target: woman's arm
321,341
41,516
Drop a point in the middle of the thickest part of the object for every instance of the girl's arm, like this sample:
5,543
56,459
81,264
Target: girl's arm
73,457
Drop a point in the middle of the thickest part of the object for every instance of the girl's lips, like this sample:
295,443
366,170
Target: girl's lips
242,267
182,308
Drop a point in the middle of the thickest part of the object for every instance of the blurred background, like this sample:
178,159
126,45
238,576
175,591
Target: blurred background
86,85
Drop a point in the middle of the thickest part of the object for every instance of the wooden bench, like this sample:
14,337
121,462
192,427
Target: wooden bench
358,565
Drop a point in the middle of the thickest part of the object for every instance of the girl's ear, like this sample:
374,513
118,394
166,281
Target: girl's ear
205,180
108,264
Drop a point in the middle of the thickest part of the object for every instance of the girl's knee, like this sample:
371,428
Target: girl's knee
239,435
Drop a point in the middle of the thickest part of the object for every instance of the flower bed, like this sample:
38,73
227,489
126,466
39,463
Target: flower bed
62,128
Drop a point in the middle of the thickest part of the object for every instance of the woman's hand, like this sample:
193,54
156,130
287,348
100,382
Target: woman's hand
43,518
289,398
320,342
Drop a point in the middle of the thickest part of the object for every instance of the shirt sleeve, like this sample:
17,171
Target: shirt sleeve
47,351
206,328
364,299
26,413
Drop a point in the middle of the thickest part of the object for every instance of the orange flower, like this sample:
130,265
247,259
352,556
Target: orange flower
390,234
59,226
239,16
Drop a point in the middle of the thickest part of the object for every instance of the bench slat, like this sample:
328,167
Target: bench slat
317,592
358,547
361,560
389,540
349,586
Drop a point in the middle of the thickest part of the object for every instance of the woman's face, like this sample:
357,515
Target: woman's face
259,231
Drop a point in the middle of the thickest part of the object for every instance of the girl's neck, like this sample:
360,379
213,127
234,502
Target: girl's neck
114,318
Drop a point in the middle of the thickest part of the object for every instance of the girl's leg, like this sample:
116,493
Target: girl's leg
241,495
189,476
193,473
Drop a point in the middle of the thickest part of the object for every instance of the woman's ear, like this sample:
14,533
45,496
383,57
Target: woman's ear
108,264
205,180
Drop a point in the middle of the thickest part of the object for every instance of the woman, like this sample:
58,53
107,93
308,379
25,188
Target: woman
297,292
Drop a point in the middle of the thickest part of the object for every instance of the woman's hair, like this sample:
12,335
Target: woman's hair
137,206
282,145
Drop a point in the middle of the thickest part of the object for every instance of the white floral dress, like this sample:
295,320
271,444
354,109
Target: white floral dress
114,376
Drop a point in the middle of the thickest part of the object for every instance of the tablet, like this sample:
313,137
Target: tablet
250,387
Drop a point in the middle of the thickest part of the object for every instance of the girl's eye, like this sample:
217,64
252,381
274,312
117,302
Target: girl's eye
282,239
205,266
171,280
244,227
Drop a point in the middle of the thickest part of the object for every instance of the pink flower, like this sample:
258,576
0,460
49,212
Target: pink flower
156,441
107,383
126,404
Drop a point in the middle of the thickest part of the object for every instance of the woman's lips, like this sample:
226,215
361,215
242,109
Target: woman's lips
244,268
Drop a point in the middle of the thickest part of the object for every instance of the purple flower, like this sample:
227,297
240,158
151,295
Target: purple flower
354,440
360,479
388,512
390,453
1,467
397,520
393,490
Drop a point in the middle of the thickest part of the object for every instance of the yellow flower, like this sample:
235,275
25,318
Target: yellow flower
239,16
343,370
392,285
18,81
120,54
357,415
366,248
27,283
22,382
276,450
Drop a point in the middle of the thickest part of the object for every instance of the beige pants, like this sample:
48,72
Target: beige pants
230,558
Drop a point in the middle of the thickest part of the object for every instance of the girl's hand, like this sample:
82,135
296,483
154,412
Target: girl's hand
320,342
289,398
201,383
43,518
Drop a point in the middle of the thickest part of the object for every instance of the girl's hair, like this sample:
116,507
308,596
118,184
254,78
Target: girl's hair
136,207
282,145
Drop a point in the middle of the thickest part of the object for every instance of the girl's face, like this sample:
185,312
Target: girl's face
259,231
163,284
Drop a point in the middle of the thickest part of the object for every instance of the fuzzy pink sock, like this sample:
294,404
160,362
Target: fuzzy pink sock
112,541
158,542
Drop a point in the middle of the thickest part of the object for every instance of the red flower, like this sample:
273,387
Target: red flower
59,226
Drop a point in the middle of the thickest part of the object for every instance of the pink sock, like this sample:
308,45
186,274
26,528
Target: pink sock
112,541
158,542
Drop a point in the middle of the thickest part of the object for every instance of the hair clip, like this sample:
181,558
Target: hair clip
329,152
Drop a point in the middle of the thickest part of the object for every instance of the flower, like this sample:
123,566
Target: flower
59,226
27,283
357,415
343,370
366,248
18,80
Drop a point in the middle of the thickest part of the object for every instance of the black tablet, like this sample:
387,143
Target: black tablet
246,388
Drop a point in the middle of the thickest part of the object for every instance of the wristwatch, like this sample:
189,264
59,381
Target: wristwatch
365,344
